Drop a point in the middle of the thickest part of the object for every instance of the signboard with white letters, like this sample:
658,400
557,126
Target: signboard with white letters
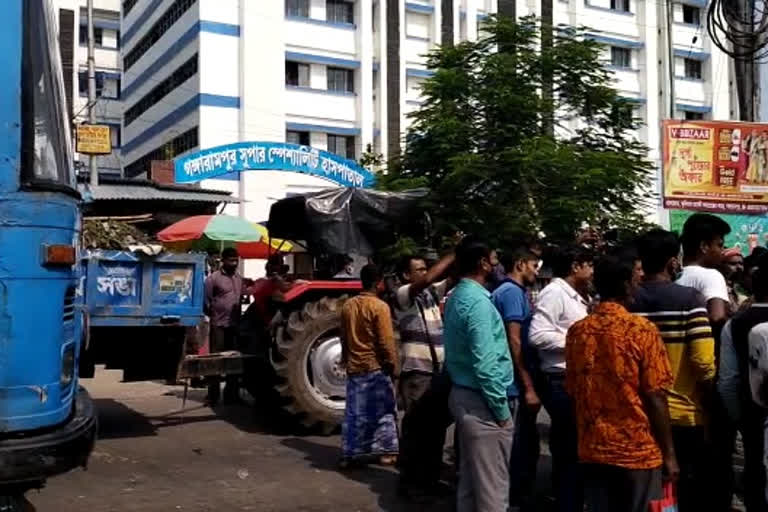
271,156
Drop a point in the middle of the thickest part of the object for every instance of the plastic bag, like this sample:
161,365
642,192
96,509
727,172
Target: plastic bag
668,503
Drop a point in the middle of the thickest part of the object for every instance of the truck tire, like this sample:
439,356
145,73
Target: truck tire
307,361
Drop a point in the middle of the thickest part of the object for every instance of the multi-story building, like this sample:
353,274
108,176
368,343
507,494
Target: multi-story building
73,42
342,75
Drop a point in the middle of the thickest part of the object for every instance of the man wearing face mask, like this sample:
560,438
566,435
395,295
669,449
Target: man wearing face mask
680,313
483,399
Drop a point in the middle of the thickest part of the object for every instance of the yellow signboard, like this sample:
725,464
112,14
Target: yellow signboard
94,139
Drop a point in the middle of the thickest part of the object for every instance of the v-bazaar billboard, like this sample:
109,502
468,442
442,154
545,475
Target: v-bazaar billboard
716,166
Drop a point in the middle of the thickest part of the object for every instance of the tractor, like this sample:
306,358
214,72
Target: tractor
300,350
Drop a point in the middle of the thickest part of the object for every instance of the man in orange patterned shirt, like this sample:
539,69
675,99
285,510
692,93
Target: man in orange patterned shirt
617,372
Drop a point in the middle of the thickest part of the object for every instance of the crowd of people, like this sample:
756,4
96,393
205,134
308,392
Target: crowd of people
649,359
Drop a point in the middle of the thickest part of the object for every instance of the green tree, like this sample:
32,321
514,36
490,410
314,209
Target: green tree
480,141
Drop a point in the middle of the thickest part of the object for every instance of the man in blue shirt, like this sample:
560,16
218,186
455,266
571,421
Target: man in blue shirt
483,399
512,300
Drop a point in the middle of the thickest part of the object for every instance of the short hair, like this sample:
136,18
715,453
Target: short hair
509,259
752,260
611,277
404,265
760,277
656,248
370,275
230,252
625,252
469,253
701,227
561,260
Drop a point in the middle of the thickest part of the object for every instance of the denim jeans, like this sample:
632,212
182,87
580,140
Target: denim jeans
563,443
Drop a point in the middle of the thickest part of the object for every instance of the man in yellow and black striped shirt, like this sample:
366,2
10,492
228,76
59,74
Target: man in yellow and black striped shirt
680,314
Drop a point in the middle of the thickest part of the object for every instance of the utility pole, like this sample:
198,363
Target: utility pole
671,58
91,91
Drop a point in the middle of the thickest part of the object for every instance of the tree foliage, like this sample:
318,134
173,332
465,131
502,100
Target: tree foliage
479,143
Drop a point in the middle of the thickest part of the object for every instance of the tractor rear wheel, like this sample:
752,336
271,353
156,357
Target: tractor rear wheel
307,360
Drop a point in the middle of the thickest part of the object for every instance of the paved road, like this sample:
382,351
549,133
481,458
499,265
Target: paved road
151,457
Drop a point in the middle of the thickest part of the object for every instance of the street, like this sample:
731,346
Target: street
151,457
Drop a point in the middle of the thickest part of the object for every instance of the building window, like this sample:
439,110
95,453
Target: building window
621,57
693,69
339,11
298,8
114,132
620,5
161,90
107,85
691,15
693,116
184,142
153,35
294,137
128,5
341,80
98,35
342,145
296,74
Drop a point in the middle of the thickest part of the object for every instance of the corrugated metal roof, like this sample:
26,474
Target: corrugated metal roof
147,191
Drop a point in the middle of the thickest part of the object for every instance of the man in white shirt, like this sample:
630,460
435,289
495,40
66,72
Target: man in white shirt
560,304
703,239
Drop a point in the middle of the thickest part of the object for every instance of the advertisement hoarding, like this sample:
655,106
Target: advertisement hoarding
716,166
747,231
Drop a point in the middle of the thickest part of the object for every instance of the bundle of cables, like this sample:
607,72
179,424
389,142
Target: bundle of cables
739,28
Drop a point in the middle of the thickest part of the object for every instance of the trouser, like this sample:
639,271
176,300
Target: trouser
526,450
222,339
753,437
425,422
694,456
563,443
485,453
722,432
616,489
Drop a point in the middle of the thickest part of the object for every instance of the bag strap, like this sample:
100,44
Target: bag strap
430,341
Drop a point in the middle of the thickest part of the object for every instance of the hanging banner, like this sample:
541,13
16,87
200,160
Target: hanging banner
747,231
716,166
272,156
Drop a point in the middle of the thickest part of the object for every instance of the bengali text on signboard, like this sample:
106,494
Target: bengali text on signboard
716,166
277,156
94,139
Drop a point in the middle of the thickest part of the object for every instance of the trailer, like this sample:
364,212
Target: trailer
139,308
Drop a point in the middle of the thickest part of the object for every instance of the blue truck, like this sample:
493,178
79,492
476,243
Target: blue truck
139,304
47,422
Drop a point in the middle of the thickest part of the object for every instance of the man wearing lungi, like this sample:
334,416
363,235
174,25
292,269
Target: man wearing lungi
370,356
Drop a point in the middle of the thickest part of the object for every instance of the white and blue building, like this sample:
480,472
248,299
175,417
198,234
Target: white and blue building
342,75
73,39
